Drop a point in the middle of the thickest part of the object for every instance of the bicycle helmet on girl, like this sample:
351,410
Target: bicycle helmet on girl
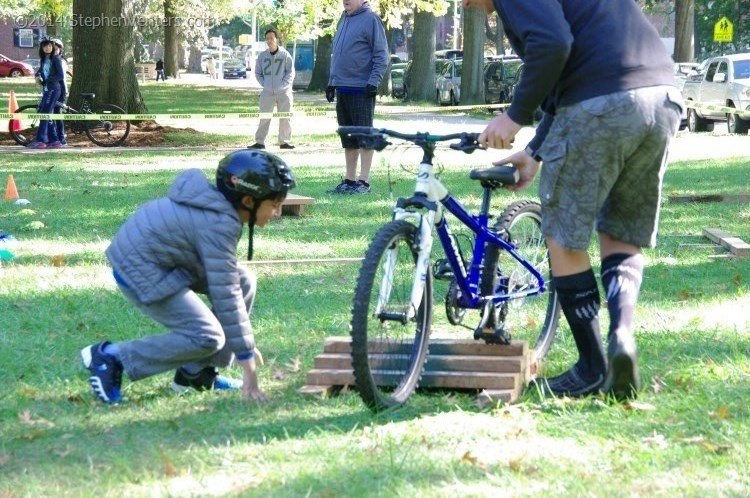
255,173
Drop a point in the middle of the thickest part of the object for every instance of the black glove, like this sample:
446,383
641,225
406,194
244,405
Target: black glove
371,91
330,93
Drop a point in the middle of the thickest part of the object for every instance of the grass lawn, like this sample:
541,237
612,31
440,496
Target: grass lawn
688,434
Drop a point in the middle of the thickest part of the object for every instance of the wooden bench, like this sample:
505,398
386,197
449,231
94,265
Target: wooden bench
295,204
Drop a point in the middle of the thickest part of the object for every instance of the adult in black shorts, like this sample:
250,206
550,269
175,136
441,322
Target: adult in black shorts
604,80
358,62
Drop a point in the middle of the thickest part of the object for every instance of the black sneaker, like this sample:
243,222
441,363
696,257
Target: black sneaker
256,146
106,372
342,188
206,380
361,188
286,146
571,384
623,379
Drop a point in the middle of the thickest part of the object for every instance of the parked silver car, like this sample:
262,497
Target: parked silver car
448,82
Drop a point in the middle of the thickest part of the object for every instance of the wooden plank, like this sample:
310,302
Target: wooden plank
436,379
716,235
710,198
489,397
452,363
319,391
296,204
438,346
737,246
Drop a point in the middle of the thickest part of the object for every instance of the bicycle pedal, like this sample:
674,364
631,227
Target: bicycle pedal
492,336
442,270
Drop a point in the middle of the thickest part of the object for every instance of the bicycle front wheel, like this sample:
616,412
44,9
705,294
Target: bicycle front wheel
532,318
24,130
106,132
388,349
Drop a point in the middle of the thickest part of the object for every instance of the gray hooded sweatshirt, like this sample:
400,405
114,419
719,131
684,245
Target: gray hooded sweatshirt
187,239
360,50
275,72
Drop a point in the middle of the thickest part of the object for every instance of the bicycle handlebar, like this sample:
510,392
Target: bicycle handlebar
468,143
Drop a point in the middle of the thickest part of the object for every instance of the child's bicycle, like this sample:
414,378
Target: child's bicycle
506,278
103,132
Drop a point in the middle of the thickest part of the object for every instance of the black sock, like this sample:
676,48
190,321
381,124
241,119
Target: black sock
364,183
621,278
349,182
579,299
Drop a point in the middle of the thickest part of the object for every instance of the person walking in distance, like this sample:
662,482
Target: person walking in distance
604,80
160,70
358,62
274,70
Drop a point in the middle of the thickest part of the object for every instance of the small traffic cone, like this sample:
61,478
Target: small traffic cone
14,124
11,192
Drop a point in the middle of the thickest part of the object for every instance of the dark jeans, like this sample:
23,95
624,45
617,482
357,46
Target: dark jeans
60,124
47,131
160,72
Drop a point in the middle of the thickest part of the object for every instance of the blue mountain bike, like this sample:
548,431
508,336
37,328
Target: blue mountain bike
506,277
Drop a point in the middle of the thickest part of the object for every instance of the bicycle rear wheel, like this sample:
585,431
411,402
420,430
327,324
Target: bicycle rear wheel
532,318
24,130
389,351
105,132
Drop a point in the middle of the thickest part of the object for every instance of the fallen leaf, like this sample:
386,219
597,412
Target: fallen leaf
683,295
737,279
715,448
721,413
657,440
294,365
26,212
468,457
58,260
639,406
34,225
657,385
26,418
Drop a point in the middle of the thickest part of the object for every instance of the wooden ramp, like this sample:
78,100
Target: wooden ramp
296,204
496,372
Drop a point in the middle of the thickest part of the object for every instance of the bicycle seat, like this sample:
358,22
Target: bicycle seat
88,95
495,177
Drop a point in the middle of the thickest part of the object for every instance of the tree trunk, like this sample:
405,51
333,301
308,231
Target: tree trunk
420,84
322,66
171,61
472,82
684,23
104,62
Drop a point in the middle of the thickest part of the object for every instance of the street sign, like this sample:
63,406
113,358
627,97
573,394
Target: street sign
723,30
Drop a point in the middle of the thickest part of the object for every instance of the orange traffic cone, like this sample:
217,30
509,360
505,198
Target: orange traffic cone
14,124
11,192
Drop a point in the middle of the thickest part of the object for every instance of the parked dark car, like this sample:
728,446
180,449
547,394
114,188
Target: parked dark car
499,77
449,54
14,69
234,68
398,87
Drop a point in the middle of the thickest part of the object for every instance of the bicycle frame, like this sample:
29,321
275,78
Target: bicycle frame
431,194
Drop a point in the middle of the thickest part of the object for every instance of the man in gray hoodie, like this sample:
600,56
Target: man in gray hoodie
274,70
171,250
358,62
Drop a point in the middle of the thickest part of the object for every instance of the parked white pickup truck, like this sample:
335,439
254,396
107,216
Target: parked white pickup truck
725,82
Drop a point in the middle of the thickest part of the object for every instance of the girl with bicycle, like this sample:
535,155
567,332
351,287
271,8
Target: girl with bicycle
52,77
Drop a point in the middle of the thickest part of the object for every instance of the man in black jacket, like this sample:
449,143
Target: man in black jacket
604,79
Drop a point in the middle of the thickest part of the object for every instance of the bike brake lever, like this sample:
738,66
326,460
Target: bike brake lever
468,143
